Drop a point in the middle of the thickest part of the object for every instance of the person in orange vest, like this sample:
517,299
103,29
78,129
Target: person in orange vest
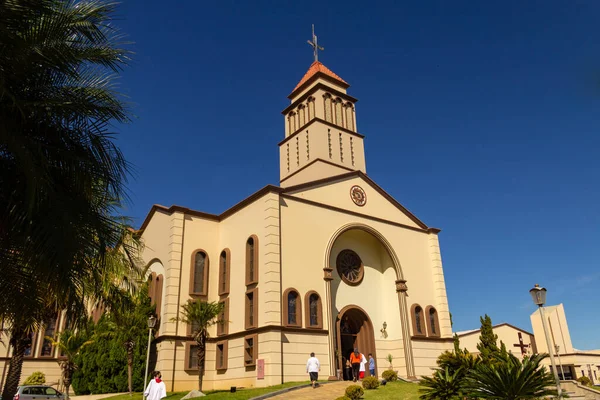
355,359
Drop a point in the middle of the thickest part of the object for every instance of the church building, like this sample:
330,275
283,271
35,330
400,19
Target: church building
324,262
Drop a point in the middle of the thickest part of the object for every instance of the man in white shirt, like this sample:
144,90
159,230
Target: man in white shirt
156,389
313,367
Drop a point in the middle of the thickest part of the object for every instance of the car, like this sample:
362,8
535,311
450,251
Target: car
37,392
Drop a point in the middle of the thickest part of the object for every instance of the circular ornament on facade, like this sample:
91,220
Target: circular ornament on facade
350,267
358,195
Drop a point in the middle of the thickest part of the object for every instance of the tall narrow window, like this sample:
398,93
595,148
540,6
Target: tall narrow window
292,308
328,111
47,349
224,272
221,359
223,320
251,309
418,320
433,324
311,108
250,350
199,274
292,304
191,357
301,115
314,311
30,348
252,260
339,119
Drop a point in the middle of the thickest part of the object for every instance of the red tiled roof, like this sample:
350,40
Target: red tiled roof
315,68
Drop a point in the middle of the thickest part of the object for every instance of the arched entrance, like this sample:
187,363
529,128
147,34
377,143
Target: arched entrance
354,330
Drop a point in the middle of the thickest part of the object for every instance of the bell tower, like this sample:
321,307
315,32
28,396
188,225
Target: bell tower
321,139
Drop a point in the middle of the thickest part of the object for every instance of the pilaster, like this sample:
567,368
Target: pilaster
439,284
173,274
271,287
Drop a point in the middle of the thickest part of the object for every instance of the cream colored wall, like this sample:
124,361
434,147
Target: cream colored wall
426,353
324,142
338,195
376,294
296,351
316,171
306,232
260,218
558,329
49,367
506,334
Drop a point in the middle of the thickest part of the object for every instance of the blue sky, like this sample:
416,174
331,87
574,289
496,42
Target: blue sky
482,119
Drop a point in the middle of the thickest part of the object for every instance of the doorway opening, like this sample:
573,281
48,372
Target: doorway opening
354,330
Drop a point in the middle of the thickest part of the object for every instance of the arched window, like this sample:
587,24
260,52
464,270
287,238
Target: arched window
252,260
224,263
433,324
328,107
199,274
349,116
311,108
292,308
418,320
301,115
314,310
339,119
292,122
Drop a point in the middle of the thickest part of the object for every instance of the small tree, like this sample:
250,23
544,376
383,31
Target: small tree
200,315
511,379
69,345
444,385
487,346
37,378
389,359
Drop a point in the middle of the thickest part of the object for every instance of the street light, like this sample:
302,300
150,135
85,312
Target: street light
538,294
151,323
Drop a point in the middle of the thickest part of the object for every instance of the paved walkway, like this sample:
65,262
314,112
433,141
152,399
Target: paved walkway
329,391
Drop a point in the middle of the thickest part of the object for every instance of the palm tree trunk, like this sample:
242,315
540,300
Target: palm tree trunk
201,356
130,367
19,343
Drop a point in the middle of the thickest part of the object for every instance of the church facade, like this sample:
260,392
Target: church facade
324,262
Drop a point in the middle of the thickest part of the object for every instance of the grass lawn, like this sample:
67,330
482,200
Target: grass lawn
394,390
241,394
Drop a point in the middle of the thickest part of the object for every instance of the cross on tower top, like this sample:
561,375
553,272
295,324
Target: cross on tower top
315,44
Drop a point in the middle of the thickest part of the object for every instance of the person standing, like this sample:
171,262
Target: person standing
156,389
371,364
355,358
313,367
362,369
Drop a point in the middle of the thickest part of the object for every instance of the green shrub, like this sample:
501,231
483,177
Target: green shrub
584,380
390,375
370,382
37,378
354,392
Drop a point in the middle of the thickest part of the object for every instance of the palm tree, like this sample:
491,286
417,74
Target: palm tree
200,315
69,343
128,323
444,385
511,379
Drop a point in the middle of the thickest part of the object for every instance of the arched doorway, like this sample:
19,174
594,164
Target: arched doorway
354,330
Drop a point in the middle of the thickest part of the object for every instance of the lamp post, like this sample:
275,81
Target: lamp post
562,371
151,323
538,294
